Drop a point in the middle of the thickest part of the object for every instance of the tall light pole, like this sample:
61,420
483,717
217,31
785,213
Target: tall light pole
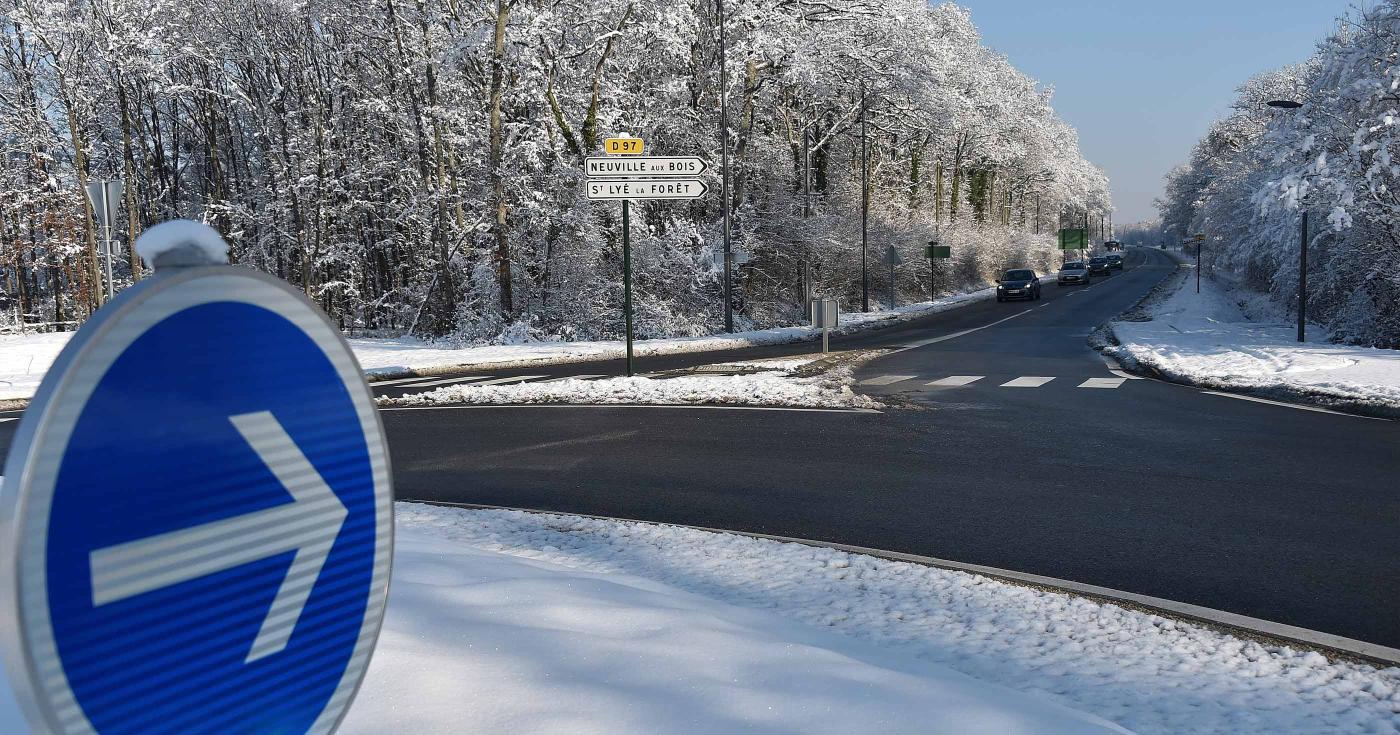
724,170
864,208
1303,244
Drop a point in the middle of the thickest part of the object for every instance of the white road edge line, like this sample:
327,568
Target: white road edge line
3,420
955,335
713,407
1314,409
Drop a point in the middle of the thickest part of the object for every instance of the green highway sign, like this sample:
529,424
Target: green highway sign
1074,239
937,251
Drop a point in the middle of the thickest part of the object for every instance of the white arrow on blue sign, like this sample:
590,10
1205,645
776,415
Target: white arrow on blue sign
196,517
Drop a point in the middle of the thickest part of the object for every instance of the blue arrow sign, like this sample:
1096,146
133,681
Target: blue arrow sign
204,537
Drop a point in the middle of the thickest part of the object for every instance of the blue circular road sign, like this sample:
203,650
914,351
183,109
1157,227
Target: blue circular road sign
197,517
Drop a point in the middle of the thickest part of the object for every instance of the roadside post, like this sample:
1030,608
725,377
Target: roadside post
1200,241
892,259
825,317
627,175
106,197
933,251
196,517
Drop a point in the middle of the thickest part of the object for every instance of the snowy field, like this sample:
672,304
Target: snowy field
502,621
775,387
1206,339
25,358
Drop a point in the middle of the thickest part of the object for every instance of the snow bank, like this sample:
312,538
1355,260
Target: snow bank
181,242
479,640
759,389
24,358
1205,339
1142,671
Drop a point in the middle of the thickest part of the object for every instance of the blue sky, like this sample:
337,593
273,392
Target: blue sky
1143,80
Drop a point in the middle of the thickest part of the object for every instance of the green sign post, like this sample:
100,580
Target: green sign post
1074,239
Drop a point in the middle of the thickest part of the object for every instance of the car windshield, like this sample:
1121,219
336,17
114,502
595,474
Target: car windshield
1018,276
1074,266
1098,261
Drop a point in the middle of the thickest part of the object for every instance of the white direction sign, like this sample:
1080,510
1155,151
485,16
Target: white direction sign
615,167
647,189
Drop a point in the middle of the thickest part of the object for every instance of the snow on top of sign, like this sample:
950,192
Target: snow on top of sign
181,242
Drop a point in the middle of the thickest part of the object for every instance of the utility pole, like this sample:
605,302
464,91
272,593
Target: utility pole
724,170
1037,214
864,207
1303,279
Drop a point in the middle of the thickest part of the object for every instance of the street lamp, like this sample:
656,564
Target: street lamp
1303,240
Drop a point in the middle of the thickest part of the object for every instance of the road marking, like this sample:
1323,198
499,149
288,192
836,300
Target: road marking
574,377
446,381
888,379
383,383
1314,409
4,420
1028,381
955,335
513,379
1103,383
957,380
308,525
711,407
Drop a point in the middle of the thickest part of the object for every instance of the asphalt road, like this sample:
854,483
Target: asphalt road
1274,512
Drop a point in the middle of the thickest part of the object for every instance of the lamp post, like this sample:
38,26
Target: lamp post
724,171
1303,247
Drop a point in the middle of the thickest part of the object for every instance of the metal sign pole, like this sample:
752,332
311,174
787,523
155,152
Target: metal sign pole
627,279
107,233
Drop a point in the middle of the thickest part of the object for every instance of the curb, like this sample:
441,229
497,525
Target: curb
1280,633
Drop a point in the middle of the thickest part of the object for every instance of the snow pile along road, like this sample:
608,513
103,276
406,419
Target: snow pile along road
1205,339
593,635
489,640
25,358
772,388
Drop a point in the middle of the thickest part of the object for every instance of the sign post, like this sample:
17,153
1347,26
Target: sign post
825,316
628,175
105,197
934,251
892,259
1200,241
196,516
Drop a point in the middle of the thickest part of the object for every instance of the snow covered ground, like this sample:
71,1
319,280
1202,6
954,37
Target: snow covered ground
775,387
505,621
1206,339
25,358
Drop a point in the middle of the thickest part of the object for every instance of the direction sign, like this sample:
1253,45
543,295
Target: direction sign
615,167
624,146
1074,239
196,517
646,189
934,250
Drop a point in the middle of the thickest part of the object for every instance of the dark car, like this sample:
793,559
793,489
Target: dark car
1099,266
1018,283
1115,261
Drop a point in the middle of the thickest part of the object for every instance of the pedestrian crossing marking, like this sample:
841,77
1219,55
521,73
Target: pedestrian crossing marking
1103,383
1028,381
888,379
958,380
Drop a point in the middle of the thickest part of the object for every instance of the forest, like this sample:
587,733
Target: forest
416,166
1335,157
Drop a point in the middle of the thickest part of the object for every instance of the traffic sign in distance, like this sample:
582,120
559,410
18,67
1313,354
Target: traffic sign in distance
937,251
892,256
624,146
610,167
646,189
196,519
1074,239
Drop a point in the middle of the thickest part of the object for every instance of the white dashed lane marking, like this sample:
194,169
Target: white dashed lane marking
1028,381
515,379
447,381
958,380
888,379
573,377
1102,383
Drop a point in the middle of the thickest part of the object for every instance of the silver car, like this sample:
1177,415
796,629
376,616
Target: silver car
1073,272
